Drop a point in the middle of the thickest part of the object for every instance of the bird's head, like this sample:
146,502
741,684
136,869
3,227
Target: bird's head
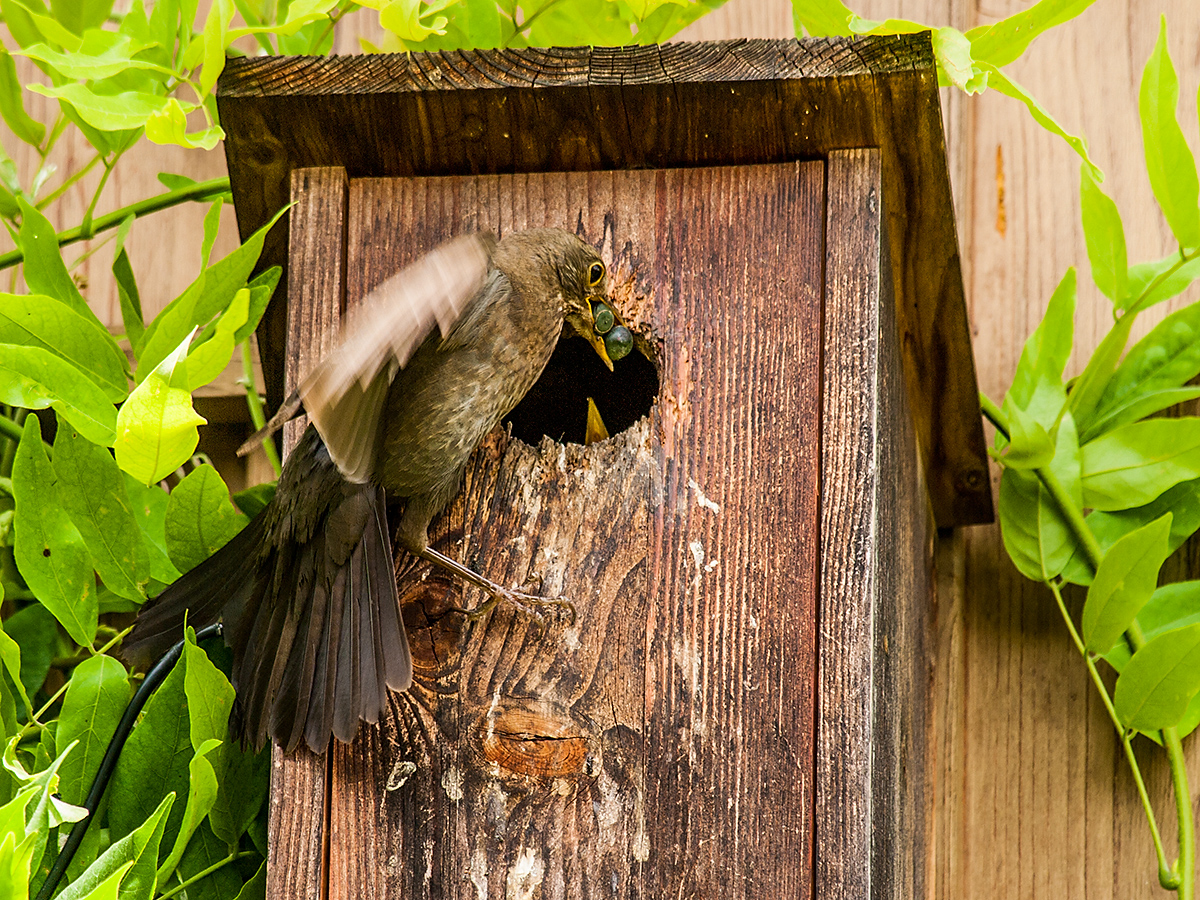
586,308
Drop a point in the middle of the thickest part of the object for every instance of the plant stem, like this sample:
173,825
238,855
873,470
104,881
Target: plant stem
71,180
204,190
1165,875
256,409
1183,878
204,873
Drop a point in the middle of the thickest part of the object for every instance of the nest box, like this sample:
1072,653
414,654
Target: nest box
740,708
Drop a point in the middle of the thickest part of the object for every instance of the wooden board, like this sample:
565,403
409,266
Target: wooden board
297,848
872,820
663,743
738,102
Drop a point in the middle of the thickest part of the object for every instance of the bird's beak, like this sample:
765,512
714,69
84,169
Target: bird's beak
597,340
597,343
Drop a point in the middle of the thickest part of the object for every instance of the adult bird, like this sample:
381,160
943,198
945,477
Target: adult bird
306,592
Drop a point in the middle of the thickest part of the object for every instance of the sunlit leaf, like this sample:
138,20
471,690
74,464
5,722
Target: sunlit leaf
1154,282
101,55
1003,42
1131,465
156,426
1124,582
1160,680
45,271
134,858
1037,385
34,378
1092,382
822,18
1105,237
35,320
106,112
12,105
1169,160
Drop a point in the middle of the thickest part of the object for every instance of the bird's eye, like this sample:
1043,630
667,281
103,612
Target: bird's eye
595,273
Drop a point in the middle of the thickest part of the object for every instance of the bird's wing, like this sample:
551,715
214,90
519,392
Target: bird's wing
344,395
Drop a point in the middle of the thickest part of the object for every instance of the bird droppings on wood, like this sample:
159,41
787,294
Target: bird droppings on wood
452,783
702,498
401,772
525,876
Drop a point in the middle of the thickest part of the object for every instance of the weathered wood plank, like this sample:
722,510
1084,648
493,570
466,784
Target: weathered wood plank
872,817
663,743
297,828
680,105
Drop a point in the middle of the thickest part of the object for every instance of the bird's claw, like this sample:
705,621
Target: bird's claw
559,609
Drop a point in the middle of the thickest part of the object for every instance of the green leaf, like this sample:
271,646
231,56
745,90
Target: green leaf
45,272
1160,680
209,696
169,126
202,793
1169,161
33,378
1153,373
209,359
34,320
1029,446
204,851
49,552
35,631
126,111
136,855
212,223
821,18
254,500
243,786
1105,238
1183,501
1037,386
93,492
220,14
10,658
154,762
261,290
48,26
1004,41
1154,282
80,15
1008,87
1131,465
12,106
1124,582
200,518
1037,537
1170,607
101,55
156,427
108,888
1093,381
96,698
150,510
127,290
208,295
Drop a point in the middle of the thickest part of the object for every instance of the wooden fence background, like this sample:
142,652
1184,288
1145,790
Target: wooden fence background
1032,798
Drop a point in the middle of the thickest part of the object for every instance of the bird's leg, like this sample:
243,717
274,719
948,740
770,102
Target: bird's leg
539,606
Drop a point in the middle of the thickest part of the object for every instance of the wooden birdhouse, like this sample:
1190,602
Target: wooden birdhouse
740,707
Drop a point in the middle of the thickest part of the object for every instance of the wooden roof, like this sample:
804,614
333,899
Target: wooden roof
574,109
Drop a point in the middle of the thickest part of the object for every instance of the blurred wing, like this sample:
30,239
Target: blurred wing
344,395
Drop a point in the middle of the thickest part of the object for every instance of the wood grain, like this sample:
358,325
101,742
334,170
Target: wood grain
873,723
298,827
728,103
663,743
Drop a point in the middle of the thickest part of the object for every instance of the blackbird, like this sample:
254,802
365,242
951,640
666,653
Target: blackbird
306,592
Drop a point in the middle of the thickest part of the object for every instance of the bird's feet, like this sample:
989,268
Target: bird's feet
557,610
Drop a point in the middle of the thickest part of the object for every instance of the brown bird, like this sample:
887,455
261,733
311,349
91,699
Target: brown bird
306,592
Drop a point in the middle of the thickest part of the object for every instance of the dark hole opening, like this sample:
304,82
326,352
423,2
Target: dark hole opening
556,406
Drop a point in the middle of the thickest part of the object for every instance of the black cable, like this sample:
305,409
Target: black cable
157,674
